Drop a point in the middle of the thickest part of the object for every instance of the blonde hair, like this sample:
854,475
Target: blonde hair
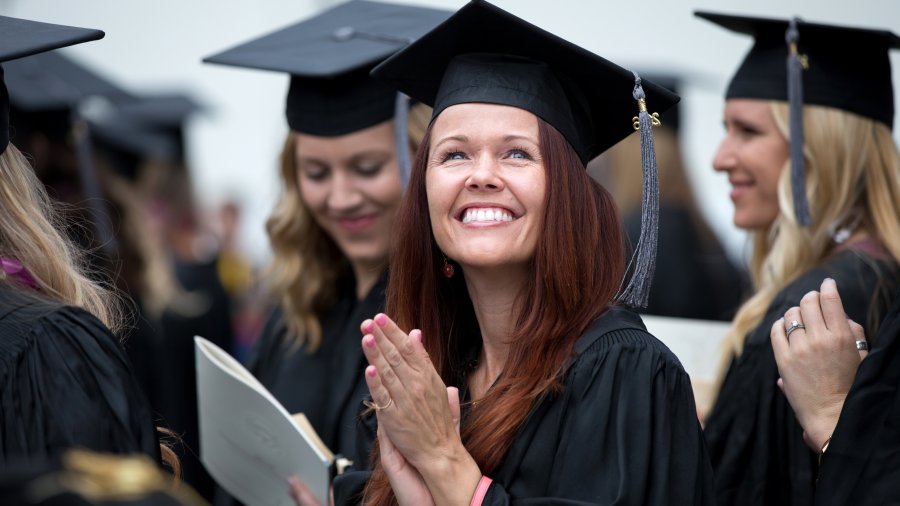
852,173
30,232
306,263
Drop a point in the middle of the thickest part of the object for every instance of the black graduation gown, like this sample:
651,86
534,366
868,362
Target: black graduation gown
862,464
327,386
64,382
623,431
755,442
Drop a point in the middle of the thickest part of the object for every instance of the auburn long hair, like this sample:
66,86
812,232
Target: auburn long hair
575,273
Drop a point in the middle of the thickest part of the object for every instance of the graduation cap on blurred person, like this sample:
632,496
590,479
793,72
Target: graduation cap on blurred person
485,54
164,113
21,38
329,57
811,63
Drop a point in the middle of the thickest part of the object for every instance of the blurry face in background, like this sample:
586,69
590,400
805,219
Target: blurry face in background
351,184
752,154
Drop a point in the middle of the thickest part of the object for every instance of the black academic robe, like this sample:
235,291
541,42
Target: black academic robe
623,431
862,464
327,385
755,442
65,381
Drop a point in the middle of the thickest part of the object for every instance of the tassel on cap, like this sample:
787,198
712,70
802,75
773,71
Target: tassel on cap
643,261
401,138
795,65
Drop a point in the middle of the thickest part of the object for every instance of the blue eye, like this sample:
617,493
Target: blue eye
454,155
519,154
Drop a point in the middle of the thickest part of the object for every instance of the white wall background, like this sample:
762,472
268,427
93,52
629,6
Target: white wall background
157,45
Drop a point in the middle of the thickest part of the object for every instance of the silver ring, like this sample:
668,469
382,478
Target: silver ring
862,344
794,326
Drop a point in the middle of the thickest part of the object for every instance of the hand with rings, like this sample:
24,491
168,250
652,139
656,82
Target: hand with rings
418,418
819,362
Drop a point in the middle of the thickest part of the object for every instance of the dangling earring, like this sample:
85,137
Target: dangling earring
448,268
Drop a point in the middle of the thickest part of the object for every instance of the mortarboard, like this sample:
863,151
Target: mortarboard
329,57
485,54
20,38
842,67
846,68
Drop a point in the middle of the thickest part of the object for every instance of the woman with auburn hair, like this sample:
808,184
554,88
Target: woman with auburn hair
836,219
506,371
65,381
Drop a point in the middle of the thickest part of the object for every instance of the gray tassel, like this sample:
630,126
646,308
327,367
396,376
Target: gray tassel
88,176
401,137
795,65
643,262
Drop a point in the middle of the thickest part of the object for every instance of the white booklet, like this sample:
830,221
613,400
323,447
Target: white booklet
248,442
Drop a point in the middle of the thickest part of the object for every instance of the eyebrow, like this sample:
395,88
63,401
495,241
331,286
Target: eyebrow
463,138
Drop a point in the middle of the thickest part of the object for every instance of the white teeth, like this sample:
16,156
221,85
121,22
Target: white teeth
486,215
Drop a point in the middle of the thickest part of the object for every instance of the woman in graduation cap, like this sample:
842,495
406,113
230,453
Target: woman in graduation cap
816,178
64,379
342,173
506,372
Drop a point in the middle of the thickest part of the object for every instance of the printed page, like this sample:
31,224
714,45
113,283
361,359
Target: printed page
248,441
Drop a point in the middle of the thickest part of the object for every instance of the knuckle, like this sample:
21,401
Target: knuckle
393,357
388,377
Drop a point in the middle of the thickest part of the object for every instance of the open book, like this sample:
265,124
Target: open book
248,442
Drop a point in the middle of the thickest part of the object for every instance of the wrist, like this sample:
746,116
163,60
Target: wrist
452,479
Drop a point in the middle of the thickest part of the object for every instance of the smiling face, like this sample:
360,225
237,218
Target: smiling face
486,185
351,185
753,154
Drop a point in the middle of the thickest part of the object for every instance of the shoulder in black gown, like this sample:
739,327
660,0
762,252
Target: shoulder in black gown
862,464
623,431
755,443
65,382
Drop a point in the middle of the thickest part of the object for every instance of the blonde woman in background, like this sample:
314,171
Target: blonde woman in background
852,186
332,226
64,379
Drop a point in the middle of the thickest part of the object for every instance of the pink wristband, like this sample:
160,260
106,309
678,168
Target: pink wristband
480,491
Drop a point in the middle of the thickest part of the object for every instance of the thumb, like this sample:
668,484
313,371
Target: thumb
780,383
453,399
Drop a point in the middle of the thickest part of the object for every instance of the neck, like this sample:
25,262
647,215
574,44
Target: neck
366,274
494,294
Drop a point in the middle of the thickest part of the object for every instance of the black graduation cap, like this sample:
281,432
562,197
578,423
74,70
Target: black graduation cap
843,67
20,38
485,54
160,119
329,57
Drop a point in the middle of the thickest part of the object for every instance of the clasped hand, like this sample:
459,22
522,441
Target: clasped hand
418,417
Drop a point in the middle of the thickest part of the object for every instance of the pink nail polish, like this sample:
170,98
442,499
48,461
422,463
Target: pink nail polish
369,327
369,341
371,372
381,319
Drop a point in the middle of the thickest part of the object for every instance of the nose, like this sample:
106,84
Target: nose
344,195
485,175
726,158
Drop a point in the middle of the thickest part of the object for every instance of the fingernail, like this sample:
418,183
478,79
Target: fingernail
381,319
416,335
829,282
369,327
371,372
369,341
